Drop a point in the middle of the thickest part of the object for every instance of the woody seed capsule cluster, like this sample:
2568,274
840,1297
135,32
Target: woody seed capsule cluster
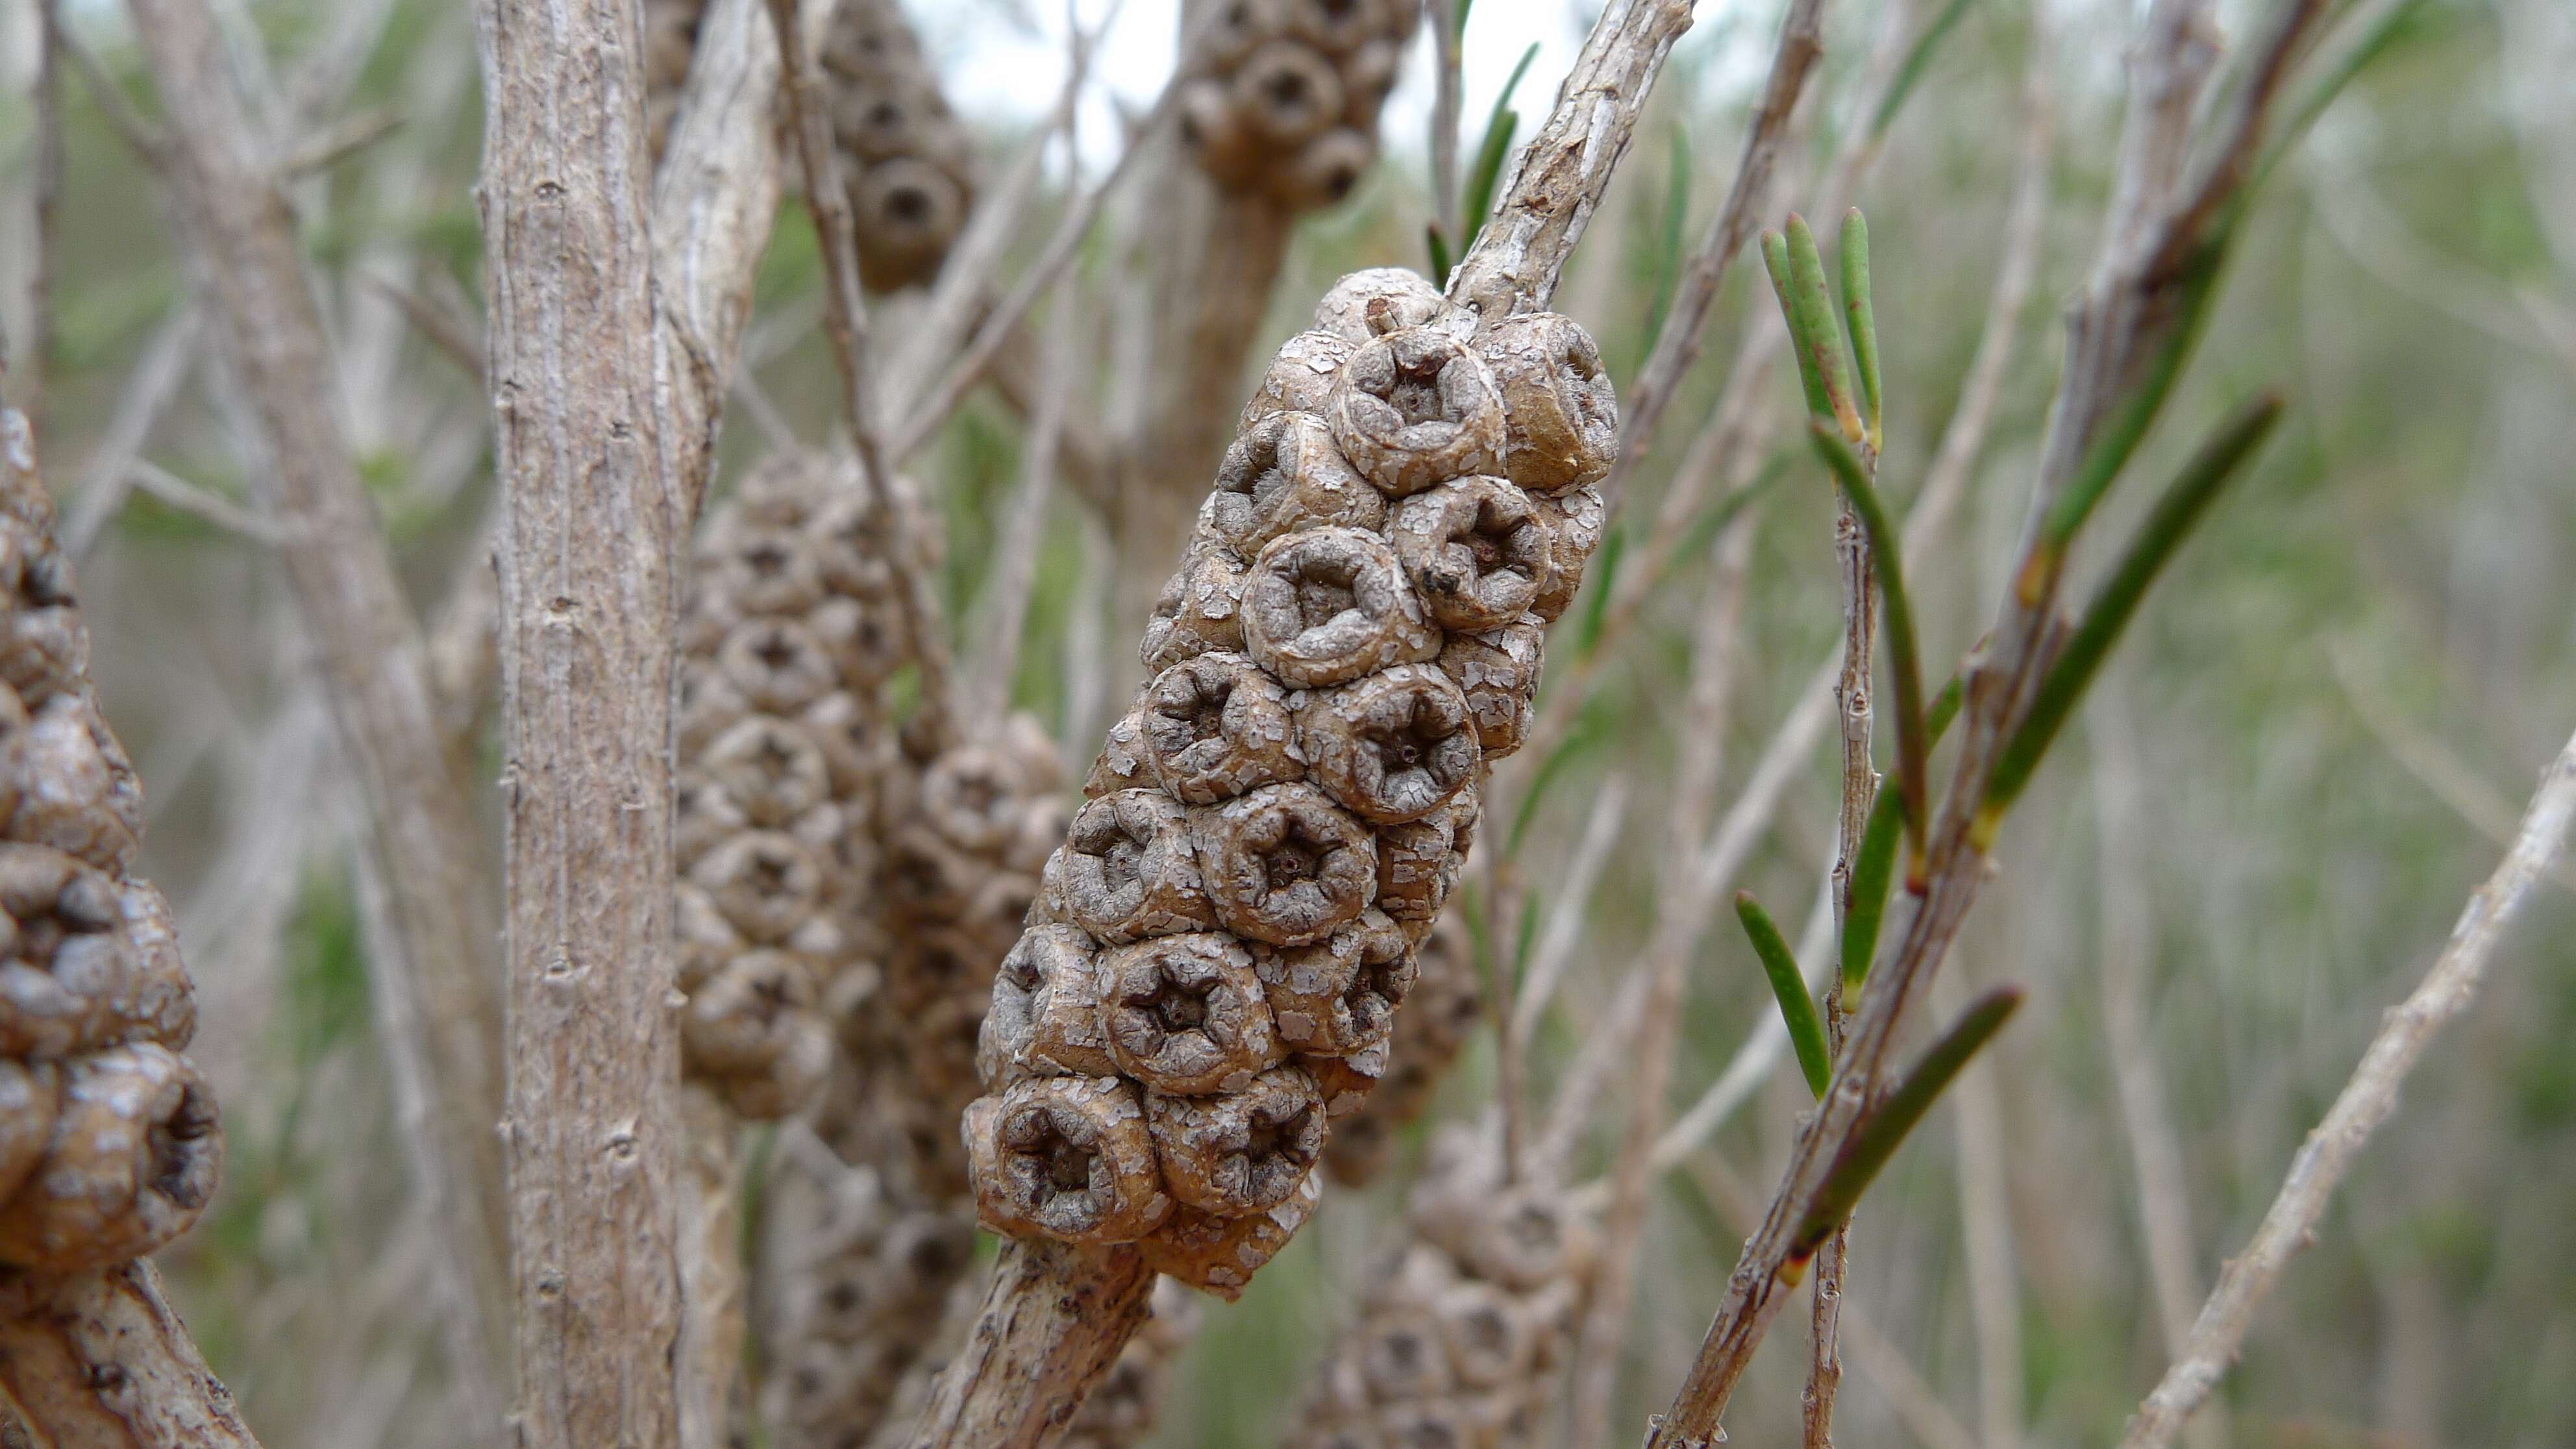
109,1144
784,641
1459,1339
1288,101
1224,939
1448,998
908,161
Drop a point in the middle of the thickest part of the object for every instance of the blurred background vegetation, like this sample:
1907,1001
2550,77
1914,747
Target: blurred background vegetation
2323,723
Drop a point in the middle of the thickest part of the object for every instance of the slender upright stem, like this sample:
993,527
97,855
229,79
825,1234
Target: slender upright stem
590,531
337,565
845,321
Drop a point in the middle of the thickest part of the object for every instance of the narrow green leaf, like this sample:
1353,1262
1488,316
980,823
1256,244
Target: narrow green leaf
1668,237
1501,125
1860,320
1886,1128
1905,664
2386,33
1918,58
1439,246
1463,7
1695,541
2185,502
1797,1013
1874,865
1813,326
1775,260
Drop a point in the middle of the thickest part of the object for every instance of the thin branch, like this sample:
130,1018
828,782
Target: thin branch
592,520
2364,1103
101,1358
148,391
999,324
451,336
1985,1224
1677,344
341,573
895,511
1566,912
1681,912
144,139
36,363
1556,181
1013,571
353,134
196,502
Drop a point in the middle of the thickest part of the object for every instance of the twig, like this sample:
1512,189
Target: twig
440,1196
148,390
2364,1103
190,499
1557,179
339,569
101,1358
352,135
963,292
1566,913
845,321
453,337
1015,554
1677,344
145,140
36,364
2126,946
2428,758
589,542
1680,914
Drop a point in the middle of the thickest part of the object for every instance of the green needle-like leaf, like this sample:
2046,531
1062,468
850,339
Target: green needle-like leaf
1858,317
2208,473
1797,1013
1886,1128
1775,260
1913,748
1439,246
1813,327
1500,127
1918,58
1874,866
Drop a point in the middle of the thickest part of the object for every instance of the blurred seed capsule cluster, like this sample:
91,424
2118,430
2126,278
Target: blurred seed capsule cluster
1457,1340
1287,100
109,1142
906,158
1225,940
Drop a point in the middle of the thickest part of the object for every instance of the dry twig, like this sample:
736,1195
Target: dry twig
351,601
2365,1102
